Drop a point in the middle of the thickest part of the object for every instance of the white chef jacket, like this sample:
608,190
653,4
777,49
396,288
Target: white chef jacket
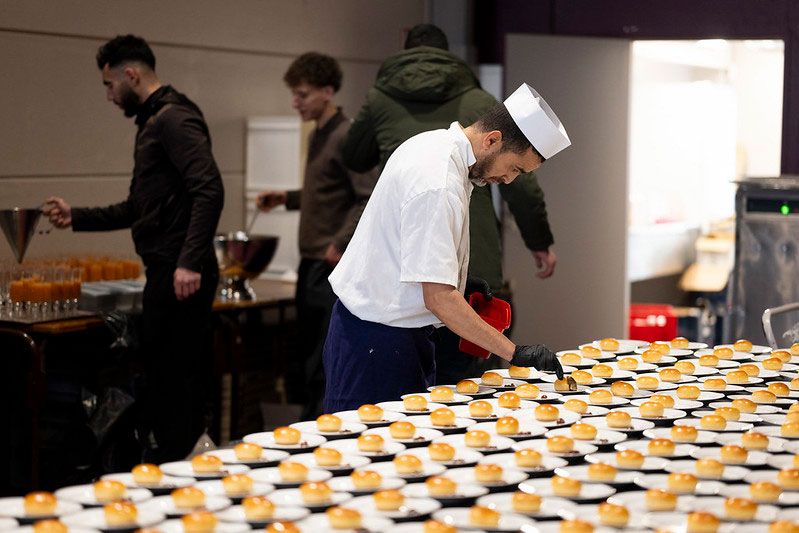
414,229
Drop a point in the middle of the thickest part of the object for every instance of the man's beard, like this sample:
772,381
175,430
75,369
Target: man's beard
129,102
477,173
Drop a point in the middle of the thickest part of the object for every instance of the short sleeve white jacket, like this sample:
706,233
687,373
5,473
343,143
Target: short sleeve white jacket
415,229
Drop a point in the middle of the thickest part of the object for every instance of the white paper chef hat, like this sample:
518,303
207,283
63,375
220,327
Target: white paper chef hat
537,121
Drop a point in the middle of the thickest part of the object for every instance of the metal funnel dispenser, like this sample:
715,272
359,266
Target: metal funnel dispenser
19,226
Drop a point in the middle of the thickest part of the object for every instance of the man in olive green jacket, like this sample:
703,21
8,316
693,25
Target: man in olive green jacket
423,88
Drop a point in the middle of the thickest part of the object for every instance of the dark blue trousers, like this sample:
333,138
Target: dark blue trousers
367,362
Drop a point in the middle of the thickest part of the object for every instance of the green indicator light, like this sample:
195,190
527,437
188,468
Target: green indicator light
785,210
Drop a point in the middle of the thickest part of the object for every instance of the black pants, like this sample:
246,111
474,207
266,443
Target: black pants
315,299
176,356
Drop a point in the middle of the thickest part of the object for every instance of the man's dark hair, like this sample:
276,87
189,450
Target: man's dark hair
125,49
513,140
316,69
426,35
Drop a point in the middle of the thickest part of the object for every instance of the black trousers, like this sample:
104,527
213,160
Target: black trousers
176,356
315,299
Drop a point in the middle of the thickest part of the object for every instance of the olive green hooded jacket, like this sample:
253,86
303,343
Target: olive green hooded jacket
426,88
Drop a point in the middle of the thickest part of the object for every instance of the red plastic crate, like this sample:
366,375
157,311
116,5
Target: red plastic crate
496,313
652,322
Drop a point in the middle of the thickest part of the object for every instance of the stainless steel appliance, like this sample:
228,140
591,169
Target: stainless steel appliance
241,257
766,272
19,225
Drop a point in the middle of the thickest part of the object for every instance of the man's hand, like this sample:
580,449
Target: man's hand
545,262
475,284
59,212
268,200
187,282
332,255
537,356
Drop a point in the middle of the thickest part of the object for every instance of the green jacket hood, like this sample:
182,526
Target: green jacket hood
425,74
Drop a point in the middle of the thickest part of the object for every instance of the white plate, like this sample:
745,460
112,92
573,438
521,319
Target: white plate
756,349
282,513
585,362
779,403
780,461
590,513
399,407
268,457
84,495
457,398
775,444
704,371
508,461
462,411
565,418
731,425
463,491
369,524
625,345
684,378
674,352
615,401
345,484
166,505
523,404
540,445
774,420
750,380
266,439
549,388
95,519
553,526
588,492
682,405
482,390
666,360
604,437
184,469
167,483
774,431
352,416
12,527
722,364
10,523
176,526
761,408
507,383
786,499
424,421
14,507
463,456
726,390
703,437
731,472
636,424
736,356
429,468
348,429
786,367
527,430
348,462
595,411
710,504
350,447
637,500
293,497
704,487
496,445
272,476
677,522
421,437
790,514
765,475
544,396
642,367
466,475
746,418
535,374
668,414
595,382
651,462
411,508
618,374
580,473
550,505
215,487
642,446
459,517
753,457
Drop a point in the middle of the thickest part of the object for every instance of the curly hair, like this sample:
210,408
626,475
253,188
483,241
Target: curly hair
316,69
125,48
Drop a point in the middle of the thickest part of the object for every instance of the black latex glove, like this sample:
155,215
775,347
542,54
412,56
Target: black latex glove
537,356
475,284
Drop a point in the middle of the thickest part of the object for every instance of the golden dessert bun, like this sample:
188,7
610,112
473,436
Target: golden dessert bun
560,444
622,388
440,451
480,409
388,500
590,351
575,526
602,371
442,417
401,430
739,509
199,522
713,422
407,464
527,391
483,516
601,472
665,399
794,349
370,413
327,456
670,374
576,406
283,526
528,458
736,377
467,386
788,478
147,474
728,413
442,394
546,413
662,347
609,345
600,397
519,372
752,440
370,443
772,363
206,463
684,433
434,526
779,389
742,345
106,490
651,409
702,522
287,436
188,497
790,429
246,451
237,484
707,467
764,396
343,518
661,447
507,425
561,385
733,454
39,503
618,419
681,482
628,363
315,492
613,515
744,405
366,479
491,379
660,500
582,377
414,402
750,369
765,491
629,459
680,343
792,416
647,383
794,407
258,507
477,439
652,356
794,384
488,473
524,502
120,514
328,423
440,486
49,526
509,400
709,360
566,487
582,431
685,367
782,355
714,384
723,353
783,526
570,358
292,472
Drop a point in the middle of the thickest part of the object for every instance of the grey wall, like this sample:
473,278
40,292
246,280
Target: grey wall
60,136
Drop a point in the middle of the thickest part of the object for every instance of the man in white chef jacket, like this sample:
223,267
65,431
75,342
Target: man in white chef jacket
404,271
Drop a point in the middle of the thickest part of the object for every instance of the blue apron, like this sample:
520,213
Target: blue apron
367,362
